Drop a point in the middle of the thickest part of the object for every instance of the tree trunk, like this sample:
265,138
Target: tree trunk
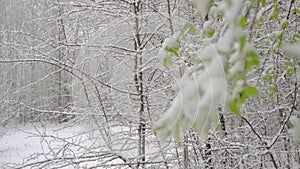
138,79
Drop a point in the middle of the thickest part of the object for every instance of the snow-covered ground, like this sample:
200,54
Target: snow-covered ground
71,147
19,144
77,146
16,145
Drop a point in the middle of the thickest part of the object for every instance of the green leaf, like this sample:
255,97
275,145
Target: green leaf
285,25
276,12
211,33
243,96
243,42
252,59
184,37
236,104
296,11
167,61
277,9
272,91
261,20
173,51
295,38
290,71
203,35
239,75
251,91
185,27
193,29
258,35
291,64
264,3
243,22
234,107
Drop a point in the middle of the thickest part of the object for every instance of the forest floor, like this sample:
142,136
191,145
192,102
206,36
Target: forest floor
18,144
32,143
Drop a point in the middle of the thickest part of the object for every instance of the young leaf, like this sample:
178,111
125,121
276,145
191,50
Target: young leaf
211,33
167,61
252,59
251,91
263,3
234,107
243,22
243,42
193,29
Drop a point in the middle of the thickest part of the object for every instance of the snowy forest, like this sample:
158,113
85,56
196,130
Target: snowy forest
92,84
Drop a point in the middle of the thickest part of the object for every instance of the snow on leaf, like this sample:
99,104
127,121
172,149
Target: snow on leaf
170,43
202,6
199,95
169,47
203,85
